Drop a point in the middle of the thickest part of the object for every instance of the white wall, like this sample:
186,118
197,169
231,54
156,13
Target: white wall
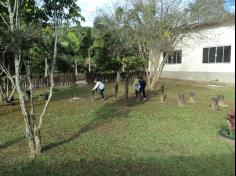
192,50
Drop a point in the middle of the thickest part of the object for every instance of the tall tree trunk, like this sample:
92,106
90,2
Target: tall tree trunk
117,84
37,130
127,86
76,68
154,68
46,67
12,94
32,130
25,113
156,78
157,64
118,76
11,78
37,140
2,94
14,27
89,65
7,87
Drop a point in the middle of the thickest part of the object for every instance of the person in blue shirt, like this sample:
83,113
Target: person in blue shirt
101,87
136,87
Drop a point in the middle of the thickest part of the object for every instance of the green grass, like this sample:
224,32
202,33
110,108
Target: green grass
111,138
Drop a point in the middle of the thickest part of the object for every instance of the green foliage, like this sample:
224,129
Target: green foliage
30,12
135,63
205,10
36,31
67,11
86,42
111,44
74,47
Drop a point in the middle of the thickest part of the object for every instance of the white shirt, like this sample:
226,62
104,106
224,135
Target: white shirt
99,85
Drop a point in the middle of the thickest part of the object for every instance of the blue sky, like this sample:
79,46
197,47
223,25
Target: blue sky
89,7
230,5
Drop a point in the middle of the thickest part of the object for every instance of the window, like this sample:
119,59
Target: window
219,54
175,57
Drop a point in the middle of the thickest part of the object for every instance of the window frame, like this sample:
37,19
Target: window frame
216,50
174,56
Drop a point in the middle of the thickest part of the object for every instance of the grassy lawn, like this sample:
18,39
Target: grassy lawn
110,138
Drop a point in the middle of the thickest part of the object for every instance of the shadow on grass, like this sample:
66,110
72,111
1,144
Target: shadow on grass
211,165
11,142
118,109
59,94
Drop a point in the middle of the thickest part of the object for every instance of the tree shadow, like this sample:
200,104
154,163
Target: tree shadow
109,111
11,142
204,165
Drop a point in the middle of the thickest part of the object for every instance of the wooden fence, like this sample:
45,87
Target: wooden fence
39,81
111,77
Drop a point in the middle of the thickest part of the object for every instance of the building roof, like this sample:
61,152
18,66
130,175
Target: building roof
230,19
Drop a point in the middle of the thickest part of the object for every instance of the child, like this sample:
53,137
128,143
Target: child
136,87
101,88
142,83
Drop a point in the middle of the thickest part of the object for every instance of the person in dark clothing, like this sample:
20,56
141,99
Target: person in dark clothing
142,84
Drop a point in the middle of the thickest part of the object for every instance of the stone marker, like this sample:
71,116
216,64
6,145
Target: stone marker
214,104
116,90
75,99
181,100
191,97
93,94
221,101
163,96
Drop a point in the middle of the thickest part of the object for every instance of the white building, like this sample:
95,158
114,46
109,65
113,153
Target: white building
207,58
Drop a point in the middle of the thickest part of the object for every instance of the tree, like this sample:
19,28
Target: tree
86,48
71,43
205,10
158,26
6,77
116,50
55,12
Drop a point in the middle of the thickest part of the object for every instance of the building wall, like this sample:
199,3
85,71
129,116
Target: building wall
192,46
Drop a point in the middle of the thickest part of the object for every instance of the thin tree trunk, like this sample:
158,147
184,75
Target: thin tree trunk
148,78
89,64
10,77
46,68
158,66
37,137
3,98
12,94
37,130
14,25
76,69
127,86
25,113
117,84
7,87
